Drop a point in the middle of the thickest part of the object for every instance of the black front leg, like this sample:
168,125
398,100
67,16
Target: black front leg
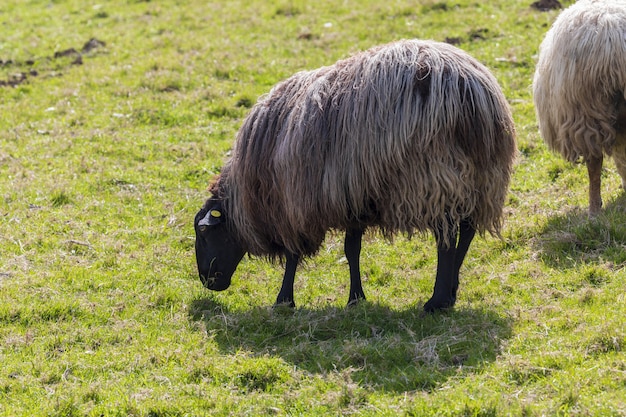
285,296
352,249
449,261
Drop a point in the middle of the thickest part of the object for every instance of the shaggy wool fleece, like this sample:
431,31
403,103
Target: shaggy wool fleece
579,85
407,137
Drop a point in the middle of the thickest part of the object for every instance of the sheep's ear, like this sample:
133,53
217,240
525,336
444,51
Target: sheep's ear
213,217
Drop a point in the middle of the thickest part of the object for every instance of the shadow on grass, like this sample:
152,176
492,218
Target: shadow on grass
393,350
573,238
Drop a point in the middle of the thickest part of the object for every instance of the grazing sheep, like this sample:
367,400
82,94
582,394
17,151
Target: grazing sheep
580,88
407,137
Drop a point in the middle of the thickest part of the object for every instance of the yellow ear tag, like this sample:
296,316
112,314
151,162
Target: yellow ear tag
216,213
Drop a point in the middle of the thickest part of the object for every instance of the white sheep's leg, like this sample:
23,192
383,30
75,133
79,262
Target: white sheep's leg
594,168
619,156
352,249
620,163
285,296
619,152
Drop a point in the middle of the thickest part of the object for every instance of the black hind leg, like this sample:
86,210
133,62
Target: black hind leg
466,235
352,249
285,296
449,261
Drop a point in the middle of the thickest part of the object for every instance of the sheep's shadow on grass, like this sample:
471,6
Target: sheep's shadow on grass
572,238
382,348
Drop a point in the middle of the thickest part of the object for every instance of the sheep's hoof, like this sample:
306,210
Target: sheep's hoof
593,214
595,208
433,305
354,301
284,305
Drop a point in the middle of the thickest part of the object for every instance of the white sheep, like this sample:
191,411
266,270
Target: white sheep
579,88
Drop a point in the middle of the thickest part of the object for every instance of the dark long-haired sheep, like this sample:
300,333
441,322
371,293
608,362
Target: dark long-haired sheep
580,88
407,137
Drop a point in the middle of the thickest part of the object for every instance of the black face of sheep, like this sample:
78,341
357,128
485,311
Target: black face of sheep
407,138
217,253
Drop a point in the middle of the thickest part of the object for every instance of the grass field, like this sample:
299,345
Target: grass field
106,150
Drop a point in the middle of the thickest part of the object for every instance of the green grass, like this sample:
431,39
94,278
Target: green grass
104,164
